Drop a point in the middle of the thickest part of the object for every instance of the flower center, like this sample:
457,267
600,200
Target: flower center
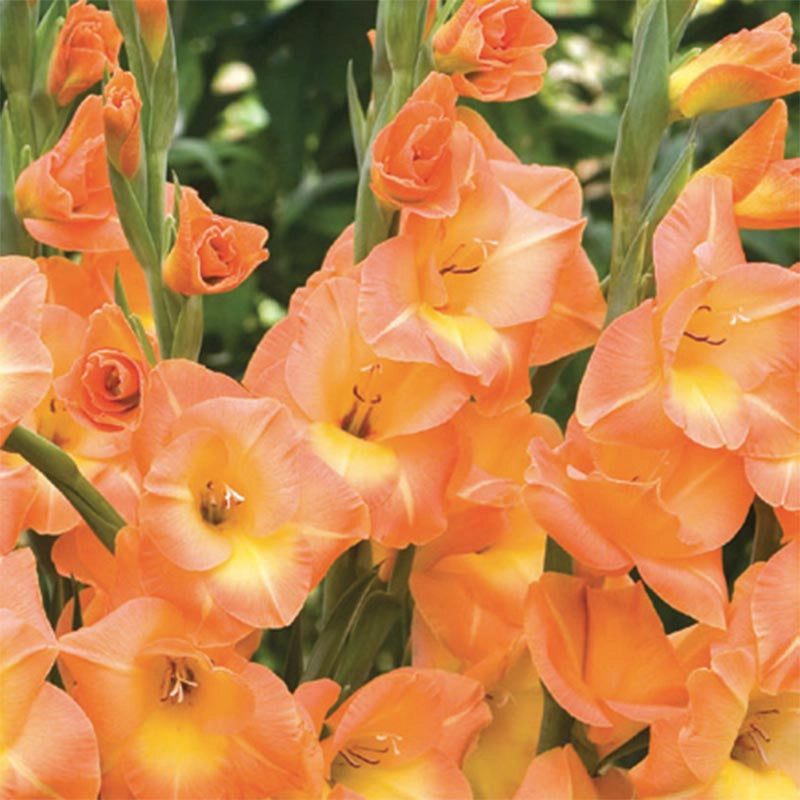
756,734
357,419
217,500
178,681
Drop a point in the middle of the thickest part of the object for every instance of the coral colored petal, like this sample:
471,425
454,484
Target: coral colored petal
554,190
694,585
17,487
317,697
776,623
746,161
55,754
26,368
698,238
621,395
175,385
728,85
433,777
557,774
775,201
265,580
555,630
98,235
576,316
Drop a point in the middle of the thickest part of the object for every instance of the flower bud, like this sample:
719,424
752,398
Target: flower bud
493,49
742,68
212,254
121,111
153,20
88,42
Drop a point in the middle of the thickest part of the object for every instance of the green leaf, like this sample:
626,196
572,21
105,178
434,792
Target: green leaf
358,124
336,627
133,320
374,621
164,98
188,336
132,218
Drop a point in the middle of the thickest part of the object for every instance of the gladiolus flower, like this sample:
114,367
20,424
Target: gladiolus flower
186,723
493,49
405,734
121,107
64,197
212,254
422,157
742,713
153,21
701,355
25,363
742,68
105,387
47,745
766,187
87,44
576,634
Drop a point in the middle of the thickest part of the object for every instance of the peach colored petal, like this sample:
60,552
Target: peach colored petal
557,774
55,754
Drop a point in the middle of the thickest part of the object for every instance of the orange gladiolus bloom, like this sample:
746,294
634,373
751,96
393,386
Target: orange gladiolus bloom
25,363
224,498
64,197
494,49
744,696
121,107
47,745
87,44
212,254
101,456
404,734
464,291
596,499
186,722
422,158
766,188
105,387
742,68
581,639
377,422
708,350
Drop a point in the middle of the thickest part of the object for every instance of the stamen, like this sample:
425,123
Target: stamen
357,419
353,764
178,681
217,500
453,269
704,339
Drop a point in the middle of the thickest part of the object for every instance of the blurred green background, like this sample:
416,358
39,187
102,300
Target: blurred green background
264,136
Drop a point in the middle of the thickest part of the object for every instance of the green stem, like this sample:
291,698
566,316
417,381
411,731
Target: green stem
64,474
767,540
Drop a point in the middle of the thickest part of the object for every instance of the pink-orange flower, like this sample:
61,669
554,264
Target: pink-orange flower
582,639
493,49
743,693
47,745
105,387
766,187
25,363
121,111
742,68
709,350
421,159
186,722
212,253
88,42
404,734
379,423
64,197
